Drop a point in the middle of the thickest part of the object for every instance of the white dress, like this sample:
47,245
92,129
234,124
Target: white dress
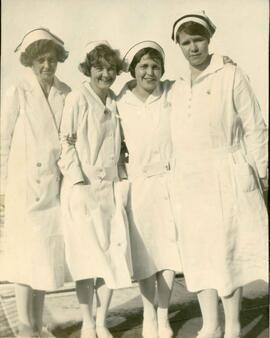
154,241
95,224
30,149
220,149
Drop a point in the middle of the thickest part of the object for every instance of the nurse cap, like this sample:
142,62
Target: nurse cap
35,35
91,45
128,58
194,16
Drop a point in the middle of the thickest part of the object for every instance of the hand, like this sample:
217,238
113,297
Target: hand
71,140
227,59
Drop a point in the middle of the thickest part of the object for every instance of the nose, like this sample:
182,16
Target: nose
105,72
46,64
149,71
194,47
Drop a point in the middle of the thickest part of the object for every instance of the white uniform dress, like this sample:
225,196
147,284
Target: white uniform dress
95,224
146,128
220,148
30,149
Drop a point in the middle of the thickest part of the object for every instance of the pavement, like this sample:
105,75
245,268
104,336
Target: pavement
62,314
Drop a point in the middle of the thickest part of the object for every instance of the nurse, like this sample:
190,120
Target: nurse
30,148
220,149
144,112
95,226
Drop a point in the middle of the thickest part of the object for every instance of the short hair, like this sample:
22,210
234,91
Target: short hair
153,53
97,57
40,47
193,28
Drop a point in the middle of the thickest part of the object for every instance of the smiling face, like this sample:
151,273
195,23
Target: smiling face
103,76
44,66
194,48
148,73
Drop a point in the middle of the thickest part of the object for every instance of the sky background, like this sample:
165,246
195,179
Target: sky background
242,33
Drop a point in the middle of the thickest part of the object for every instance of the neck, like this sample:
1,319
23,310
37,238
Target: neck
197,70
46,86
101,93
141,93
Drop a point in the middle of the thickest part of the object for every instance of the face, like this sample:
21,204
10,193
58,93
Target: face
194,48
103,76
148,73
44,66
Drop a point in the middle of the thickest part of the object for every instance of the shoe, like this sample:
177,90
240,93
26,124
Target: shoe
103,332
88,332
165,331
217,334
150,329
45,333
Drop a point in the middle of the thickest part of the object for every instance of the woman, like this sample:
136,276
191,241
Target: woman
94,219
220,148
30,148
144,112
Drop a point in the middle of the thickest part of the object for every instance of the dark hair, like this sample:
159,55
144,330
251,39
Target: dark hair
193,28
98,56
153,53
40,47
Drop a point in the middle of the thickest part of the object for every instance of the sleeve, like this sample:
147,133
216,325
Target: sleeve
69,162
10,113
254,127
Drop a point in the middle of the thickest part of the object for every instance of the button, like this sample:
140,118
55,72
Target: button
37,199
38,164
38,181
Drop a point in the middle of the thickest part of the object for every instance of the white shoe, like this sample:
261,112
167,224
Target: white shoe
217,334
45,333
103,332
150,329
88,332
165,331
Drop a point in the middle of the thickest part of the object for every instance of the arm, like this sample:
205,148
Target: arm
254,127
9,117
69,162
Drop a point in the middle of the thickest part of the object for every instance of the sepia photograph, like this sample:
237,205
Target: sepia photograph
134,169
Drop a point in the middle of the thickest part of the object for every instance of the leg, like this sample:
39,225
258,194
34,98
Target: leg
208,300
24,295
37,309
85,293
104,296
147,289
232,307
165,281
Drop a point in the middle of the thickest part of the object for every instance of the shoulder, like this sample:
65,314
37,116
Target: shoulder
76,97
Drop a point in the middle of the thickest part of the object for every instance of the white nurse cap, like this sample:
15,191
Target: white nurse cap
194,16
35,35
128,58
91,46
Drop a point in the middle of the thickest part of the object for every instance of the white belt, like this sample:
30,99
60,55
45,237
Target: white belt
101,173
149,170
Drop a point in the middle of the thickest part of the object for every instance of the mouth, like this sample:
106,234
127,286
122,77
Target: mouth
195,55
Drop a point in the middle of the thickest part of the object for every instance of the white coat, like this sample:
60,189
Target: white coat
220,149
30,149
146,127
95,224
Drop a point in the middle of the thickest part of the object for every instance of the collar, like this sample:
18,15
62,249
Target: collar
127,96
30,82
216,64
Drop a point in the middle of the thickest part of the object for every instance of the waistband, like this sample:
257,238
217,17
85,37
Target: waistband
101,173
153,169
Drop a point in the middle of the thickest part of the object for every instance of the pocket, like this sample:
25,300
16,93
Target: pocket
245,177
82,200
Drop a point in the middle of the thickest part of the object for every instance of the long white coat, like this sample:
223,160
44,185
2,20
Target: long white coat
30,148
146,127
220,149
95,224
